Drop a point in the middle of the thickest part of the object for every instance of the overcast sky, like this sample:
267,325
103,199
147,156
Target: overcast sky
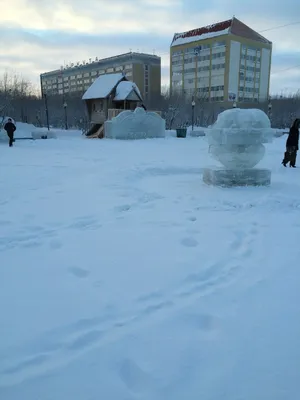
40,35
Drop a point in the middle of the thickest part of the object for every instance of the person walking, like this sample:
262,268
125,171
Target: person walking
10,128
292,145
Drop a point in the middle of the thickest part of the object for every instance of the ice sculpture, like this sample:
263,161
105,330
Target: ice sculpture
139,124
237,140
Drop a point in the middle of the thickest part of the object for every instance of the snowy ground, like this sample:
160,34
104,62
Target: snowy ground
124,277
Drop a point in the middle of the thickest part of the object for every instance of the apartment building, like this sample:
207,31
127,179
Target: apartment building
227,61
143,69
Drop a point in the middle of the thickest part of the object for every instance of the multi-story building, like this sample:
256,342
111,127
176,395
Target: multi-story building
227,61
143,69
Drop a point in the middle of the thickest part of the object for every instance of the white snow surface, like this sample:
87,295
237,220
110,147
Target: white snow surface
179,40
123,276
102,86
124,89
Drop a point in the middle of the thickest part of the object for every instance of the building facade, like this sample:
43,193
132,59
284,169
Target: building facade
143,69
224,62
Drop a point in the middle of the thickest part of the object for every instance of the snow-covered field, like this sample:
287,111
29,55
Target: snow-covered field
124,277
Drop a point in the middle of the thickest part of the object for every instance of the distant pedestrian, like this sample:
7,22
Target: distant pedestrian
10,128
292,145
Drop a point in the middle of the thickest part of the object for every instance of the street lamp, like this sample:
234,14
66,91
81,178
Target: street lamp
270,109
193,113
46,109
66,115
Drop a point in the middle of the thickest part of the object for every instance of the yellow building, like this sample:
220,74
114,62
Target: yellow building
227,61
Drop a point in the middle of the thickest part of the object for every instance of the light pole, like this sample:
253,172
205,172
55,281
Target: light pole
270,109
46,109
66,115
193,113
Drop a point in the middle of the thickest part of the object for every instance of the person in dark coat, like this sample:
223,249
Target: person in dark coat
292,145
10,128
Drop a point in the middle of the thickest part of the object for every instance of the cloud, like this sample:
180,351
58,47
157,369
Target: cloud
40,35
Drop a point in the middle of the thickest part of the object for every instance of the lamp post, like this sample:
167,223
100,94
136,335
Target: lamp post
270,109
65,105
193,113
46,109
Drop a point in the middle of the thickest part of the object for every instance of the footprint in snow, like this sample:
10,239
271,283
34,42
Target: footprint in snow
189,242
79,272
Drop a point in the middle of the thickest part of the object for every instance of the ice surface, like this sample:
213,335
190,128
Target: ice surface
234,177
138,124
236,138
124,276
240,126
102,86
124,89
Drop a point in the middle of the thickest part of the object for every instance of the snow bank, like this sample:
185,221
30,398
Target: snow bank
5,119
23,131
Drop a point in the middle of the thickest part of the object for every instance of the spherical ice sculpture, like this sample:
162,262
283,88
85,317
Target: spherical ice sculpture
237,140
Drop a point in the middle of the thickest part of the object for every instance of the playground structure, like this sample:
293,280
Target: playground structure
106,98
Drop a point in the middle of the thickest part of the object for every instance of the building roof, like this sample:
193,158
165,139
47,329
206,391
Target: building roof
103,86
127,90
230,26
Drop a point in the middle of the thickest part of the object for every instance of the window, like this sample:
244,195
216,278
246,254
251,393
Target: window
217,44
190,70
202,69
218,66
177,53
217,88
